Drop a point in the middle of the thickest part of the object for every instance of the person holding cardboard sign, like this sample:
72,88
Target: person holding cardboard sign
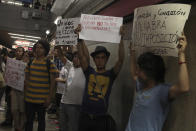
153,95
99,83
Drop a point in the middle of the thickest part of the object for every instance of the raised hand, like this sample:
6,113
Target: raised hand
122,30
182,43
78,29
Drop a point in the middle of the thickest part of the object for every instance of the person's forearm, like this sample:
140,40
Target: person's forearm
60,80
82,53
85,50
121,51
80,50
183,73
132,62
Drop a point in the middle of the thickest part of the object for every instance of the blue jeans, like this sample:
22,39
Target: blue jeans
31,109
69,117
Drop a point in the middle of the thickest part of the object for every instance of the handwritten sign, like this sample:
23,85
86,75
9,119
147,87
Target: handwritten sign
65,31
15,74
157,28
100,28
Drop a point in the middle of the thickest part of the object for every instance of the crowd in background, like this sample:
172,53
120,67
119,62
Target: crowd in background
27,56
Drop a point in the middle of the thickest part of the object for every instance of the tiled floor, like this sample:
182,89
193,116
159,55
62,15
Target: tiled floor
50,124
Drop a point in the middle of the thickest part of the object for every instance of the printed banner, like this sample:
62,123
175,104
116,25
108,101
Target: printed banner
15,74
65,31
100,28
157,28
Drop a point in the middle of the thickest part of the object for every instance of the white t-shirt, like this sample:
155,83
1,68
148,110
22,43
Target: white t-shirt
73,94
63,75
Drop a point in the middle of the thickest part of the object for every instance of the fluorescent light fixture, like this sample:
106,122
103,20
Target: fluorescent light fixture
57,19
20,42
47,32
16,3
22,38
28,36
10,2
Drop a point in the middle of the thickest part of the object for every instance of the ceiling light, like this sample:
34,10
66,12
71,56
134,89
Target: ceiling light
16,3
10,2
57,19
47,32
28,36
22,38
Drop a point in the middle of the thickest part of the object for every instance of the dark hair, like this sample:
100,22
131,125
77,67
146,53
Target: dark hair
69,56
45,45
4,51
153,66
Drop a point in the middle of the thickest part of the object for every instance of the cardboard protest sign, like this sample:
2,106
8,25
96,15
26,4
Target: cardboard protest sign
65,31
15,74
157,28
100,28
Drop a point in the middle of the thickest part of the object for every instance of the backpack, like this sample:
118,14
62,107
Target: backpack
47,64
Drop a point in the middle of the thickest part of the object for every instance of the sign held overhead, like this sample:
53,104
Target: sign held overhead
100,28
65,31
157,28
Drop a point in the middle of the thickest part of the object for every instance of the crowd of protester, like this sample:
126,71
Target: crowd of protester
61,81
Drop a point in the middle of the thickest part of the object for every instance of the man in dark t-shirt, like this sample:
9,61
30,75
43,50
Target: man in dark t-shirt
99,83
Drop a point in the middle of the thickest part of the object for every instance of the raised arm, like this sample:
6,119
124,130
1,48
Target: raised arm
133,62
60,80
61,56
121,53
83,52
183,78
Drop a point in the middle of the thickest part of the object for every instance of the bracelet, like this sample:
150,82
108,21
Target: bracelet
182,62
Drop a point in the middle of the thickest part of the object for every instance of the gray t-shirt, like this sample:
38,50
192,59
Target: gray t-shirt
73,93
150,108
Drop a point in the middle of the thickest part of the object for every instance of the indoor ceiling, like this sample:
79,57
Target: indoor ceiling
74,8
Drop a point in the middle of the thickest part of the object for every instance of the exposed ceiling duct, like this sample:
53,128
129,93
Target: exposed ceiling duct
73,8
60,6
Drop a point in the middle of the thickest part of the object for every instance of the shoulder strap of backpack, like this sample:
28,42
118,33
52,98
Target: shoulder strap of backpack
48,62
29,63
